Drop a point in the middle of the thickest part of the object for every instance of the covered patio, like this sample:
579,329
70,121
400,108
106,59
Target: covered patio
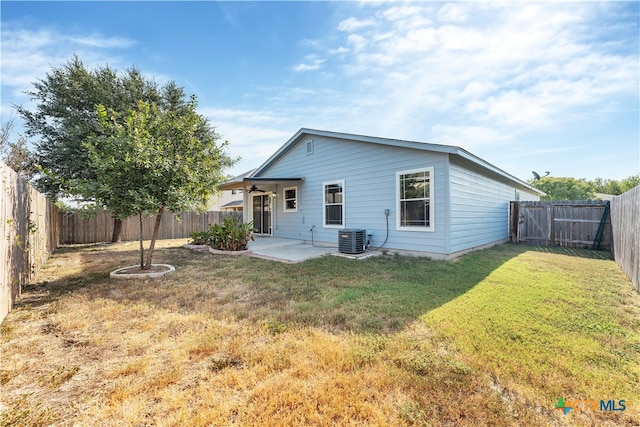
259,196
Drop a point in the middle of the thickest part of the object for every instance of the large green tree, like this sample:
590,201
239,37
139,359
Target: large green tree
64,118
159,156
565,188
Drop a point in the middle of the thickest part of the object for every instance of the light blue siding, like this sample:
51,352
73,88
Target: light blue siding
471,202
479,206
369,173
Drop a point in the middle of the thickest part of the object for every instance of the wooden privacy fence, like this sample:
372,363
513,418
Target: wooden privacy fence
625,221
75,228
577,224
30,231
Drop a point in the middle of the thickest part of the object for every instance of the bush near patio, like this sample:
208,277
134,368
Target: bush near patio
493,338
232,235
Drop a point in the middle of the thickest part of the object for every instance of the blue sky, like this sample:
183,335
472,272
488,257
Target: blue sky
545,86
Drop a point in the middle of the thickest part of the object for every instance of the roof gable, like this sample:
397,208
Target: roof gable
438,148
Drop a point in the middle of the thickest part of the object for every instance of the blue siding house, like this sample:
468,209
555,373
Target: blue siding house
435,200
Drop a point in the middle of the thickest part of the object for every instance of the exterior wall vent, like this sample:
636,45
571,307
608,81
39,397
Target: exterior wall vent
310,146
351,241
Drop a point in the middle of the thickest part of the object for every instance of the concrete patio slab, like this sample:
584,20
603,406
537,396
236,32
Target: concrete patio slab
286,250
266,242
293,251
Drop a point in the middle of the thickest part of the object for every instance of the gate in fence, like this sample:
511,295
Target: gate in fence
578,224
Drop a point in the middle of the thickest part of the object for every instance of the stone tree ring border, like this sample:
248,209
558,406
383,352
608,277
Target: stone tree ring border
116,274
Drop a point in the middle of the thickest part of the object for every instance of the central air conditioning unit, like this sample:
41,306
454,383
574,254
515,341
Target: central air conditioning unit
351,241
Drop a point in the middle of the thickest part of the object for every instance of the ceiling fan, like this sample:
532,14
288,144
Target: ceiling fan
254,189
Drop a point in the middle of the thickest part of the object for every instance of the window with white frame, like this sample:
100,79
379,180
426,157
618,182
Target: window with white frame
333,197
415,199
290,199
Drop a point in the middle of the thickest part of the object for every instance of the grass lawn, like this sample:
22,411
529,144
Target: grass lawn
493,338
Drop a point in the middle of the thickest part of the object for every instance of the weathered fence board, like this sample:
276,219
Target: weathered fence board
78,229
29,224
554,223
625,221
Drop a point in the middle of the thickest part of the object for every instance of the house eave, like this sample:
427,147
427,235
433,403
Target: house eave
488,166
233,204
424,146
232,185
268,180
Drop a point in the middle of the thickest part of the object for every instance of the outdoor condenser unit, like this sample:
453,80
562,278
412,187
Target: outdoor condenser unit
351,241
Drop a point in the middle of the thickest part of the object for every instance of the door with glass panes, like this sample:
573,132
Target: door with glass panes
262,214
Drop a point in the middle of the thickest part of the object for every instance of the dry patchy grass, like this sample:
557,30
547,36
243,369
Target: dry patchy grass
387,341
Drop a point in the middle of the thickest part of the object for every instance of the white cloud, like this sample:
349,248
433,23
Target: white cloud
253,135
456,38
353,24
102,42
312,63
476,89
338,51
469,137
306,67
494,78
357,41
396,13
508,67
452,12
28,55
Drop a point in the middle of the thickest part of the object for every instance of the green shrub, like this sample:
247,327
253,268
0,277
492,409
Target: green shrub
232,235
199,238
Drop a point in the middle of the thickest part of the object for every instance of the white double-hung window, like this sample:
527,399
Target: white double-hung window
333,200
414,194
290,199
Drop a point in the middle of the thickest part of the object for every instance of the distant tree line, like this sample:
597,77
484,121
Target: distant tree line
582,189
611,186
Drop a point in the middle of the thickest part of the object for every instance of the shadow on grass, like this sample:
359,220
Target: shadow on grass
375,295
577,252
78,268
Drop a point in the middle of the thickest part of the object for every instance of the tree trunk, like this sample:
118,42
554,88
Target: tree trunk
117,231
156,228
141,245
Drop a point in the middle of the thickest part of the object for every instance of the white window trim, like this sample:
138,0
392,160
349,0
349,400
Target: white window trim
284,199
324,205
432,218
